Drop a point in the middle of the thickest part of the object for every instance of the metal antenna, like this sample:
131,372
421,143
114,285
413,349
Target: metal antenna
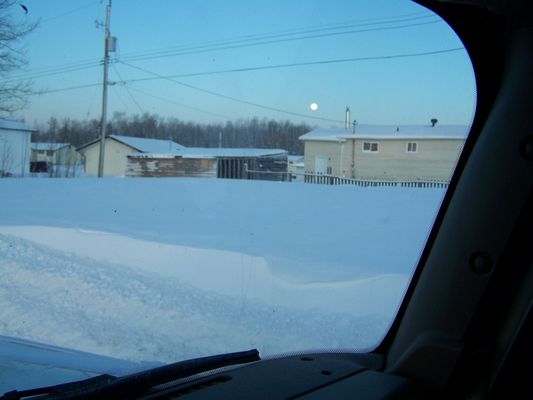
354,123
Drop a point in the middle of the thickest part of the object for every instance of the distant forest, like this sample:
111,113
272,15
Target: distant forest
254,132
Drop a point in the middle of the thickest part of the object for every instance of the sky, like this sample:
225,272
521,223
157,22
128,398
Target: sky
390,61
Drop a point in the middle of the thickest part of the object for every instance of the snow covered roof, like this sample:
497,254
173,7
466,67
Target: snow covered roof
215,152
230,152
47,146
14,125
145,145
389,132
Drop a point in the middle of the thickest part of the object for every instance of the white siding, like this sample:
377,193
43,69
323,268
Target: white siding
433,160
115,158
330,150
15,152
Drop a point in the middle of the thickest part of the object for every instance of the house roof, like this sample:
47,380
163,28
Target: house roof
458,132
14,125
230,152
215,152
143,145
47,146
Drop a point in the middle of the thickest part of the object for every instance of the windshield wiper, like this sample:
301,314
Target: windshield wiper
107,386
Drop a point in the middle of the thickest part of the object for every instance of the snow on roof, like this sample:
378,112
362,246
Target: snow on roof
14,125
214,152
295,158
230,152
47,146
145,145
389,132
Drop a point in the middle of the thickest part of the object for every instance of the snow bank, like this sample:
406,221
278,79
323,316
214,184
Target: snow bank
166,269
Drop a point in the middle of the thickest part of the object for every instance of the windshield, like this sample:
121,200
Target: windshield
271,171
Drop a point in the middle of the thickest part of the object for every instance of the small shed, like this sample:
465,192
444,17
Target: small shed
205,162
117,150
15,139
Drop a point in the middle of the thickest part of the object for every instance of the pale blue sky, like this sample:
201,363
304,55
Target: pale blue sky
391,91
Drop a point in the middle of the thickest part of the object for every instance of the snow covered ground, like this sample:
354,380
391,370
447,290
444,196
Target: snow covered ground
167,269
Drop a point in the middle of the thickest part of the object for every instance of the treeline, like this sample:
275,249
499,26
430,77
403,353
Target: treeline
261,133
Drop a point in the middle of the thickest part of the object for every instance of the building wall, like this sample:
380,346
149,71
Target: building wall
41,155
15,152
149,167
115,158
64,155
270,167
331,151
67,155
433,160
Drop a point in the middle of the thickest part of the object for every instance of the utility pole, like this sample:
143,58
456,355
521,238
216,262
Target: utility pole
110,43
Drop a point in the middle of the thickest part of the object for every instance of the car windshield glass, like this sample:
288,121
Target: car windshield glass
272,171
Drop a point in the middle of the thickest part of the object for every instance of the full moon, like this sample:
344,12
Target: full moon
313,106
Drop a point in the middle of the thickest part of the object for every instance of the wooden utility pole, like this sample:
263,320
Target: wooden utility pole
109,46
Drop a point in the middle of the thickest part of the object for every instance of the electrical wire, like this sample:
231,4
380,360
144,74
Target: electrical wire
292,65
250,103
230,46
179,104
127,90
294,31
41,92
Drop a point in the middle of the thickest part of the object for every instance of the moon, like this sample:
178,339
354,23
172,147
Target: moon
313,106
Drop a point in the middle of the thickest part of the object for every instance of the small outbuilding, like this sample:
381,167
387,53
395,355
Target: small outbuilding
204,162
118,148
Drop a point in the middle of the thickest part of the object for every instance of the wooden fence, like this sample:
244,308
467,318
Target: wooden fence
337,180
324,179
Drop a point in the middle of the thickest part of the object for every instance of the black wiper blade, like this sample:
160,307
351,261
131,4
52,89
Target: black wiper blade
45,392
129,386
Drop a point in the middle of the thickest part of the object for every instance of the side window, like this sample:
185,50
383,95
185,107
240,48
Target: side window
411,147
370,147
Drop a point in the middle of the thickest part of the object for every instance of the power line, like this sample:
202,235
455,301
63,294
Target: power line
129,93
294,31
234,98
52,72
41,92
92,101
203,49
179,104
319,62
292,65
222,45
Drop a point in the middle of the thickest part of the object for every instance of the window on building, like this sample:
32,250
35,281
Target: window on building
370,147
411,147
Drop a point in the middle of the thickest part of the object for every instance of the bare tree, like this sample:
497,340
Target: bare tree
13,28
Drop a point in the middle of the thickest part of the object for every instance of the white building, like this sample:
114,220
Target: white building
15,139
117,150
385,152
